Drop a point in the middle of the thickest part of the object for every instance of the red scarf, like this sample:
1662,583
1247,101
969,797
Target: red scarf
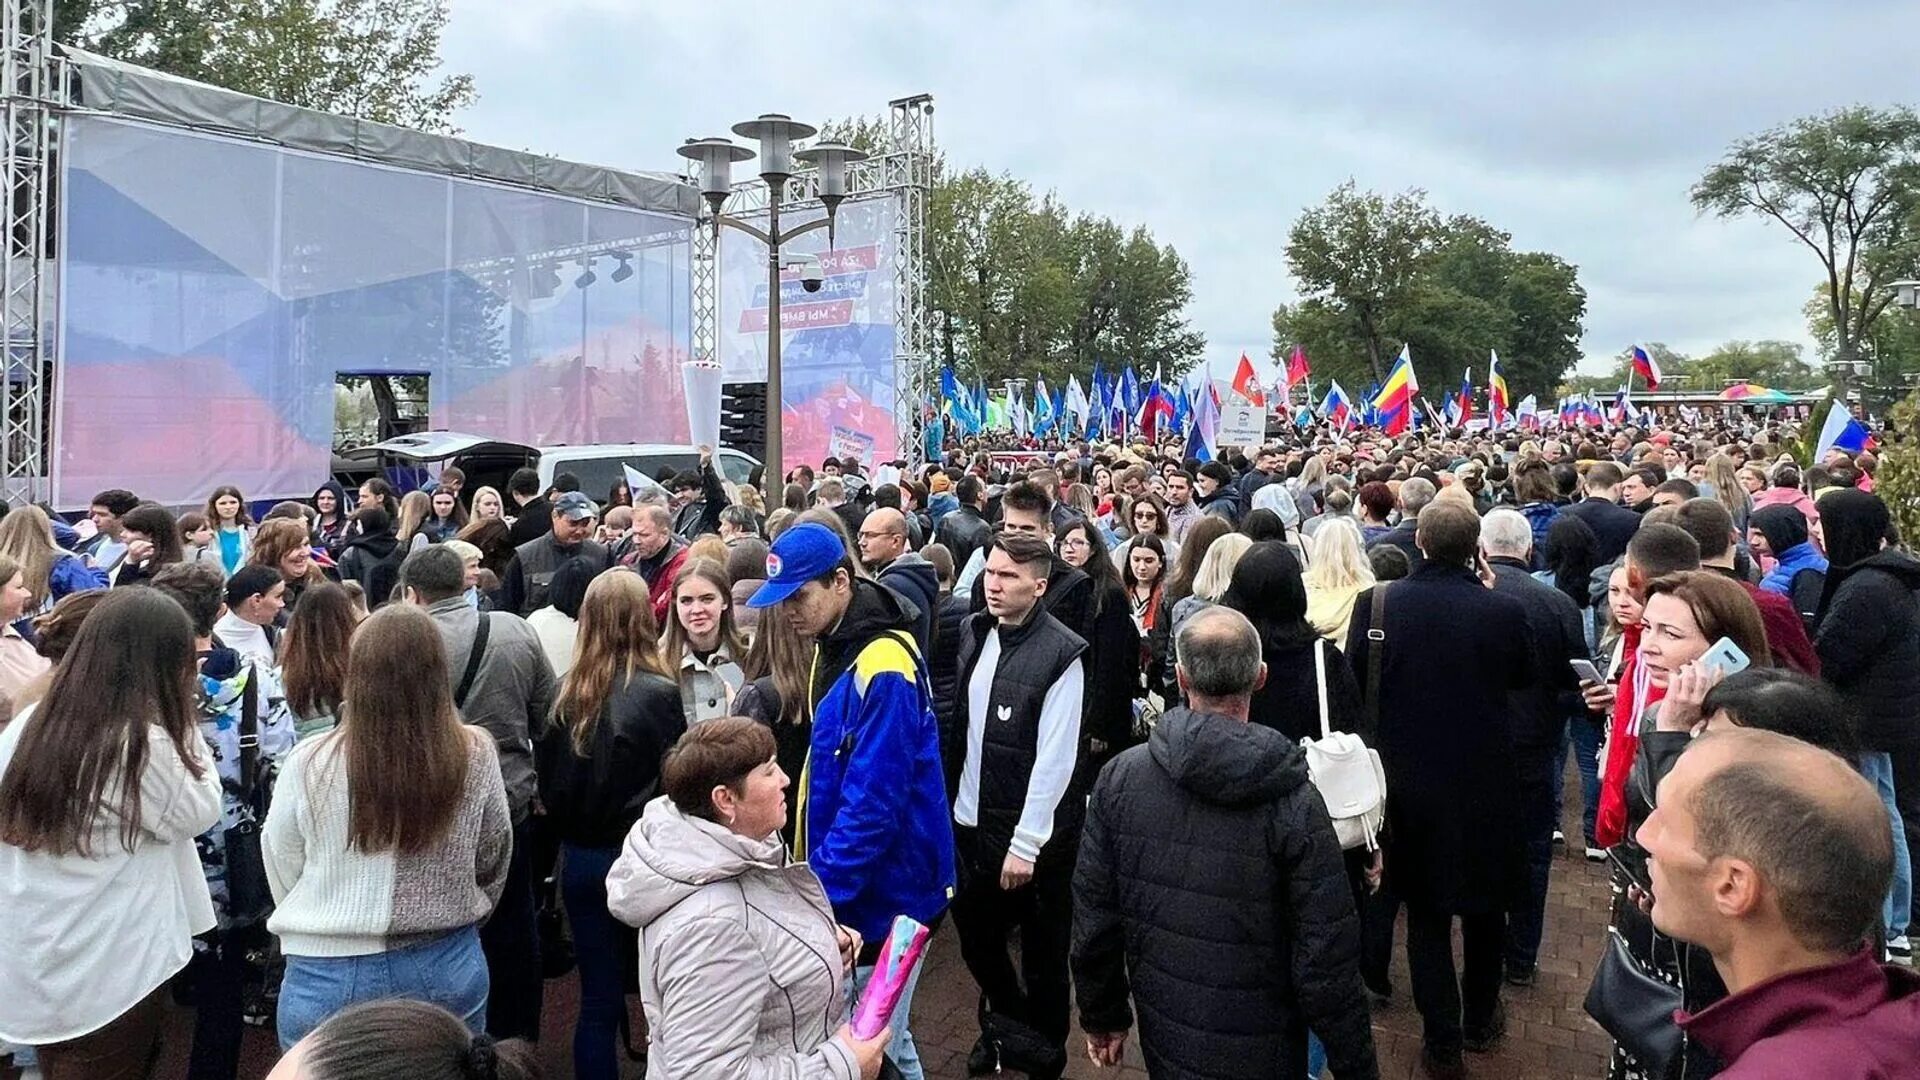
1623,743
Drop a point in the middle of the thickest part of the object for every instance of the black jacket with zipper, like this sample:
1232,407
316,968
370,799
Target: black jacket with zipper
1869,646
1211,894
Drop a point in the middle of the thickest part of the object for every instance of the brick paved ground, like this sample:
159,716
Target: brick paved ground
1548,1037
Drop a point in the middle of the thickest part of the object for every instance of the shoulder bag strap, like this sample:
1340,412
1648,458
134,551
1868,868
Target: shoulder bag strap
474,656
1376,643
250,733
1320,684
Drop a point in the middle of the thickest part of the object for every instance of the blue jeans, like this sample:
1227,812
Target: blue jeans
1316,1057
1583,739
448,971
901,1049
1877,767
1526,920
604,948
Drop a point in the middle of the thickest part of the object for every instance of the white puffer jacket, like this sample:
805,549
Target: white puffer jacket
740,967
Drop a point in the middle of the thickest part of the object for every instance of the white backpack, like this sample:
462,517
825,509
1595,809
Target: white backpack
1346,772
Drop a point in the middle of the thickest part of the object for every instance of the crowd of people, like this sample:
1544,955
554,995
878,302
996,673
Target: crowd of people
1174,742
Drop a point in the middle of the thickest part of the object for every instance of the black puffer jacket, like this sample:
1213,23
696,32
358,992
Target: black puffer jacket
1211,892
943,670
1869,646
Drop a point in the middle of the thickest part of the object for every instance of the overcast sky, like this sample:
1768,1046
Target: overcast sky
1577,128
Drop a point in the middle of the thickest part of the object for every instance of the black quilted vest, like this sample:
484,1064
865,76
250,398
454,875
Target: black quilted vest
1033,657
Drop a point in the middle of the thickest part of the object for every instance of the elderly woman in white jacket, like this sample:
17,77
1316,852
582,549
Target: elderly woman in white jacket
742,967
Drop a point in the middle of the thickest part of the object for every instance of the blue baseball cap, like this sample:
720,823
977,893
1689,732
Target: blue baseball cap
802,554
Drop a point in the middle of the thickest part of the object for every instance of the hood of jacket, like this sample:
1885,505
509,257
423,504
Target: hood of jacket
1901,565
1226,761
873,611
915,576
674,856
377,545
339,497
1785,527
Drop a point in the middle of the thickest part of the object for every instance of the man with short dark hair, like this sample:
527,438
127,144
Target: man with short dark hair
870,815
1675,491
1439,655
530,507
1636,488
107,547
698,498
1774,856
255,597
569,533
503,684
1211,891
1612,524
1182,511
1711,525
965,530
1016,818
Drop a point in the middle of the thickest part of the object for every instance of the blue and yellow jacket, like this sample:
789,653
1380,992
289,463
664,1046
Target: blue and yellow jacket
874,822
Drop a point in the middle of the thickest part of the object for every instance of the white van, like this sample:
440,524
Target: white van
489,462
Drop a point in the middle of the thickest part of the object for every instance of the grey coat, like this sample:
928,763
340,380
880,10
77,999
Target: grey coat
511,694
740,969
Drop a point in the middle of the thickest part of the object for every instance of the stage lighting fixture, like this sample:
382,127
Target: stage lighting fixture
587,276
625,269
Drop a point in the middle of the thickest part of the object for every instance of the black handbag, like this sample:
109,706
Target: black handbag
249,899
1635,1007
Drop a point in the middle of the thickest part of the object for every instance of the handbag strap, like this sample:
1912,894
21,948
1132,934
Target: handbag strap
474,656
250,733
1320,684
1376,645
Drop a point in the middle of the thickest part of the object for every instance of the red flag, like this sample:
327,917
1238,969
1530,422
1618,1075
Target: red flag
1297,369
1247,384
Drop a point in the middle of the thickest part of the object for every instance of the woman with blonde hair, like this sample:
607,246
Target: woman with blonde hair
20,662
416,507
400,791
1210,581
1337,573
487,506
617,713
1723,484
26,537
703,648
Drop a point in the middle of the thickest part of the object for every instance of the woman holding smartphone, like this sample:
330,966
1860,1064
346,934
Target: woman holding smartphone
1693,629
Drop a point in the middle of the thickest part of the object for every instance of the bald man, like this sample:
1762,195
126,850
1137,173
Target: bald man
1774,856
882,540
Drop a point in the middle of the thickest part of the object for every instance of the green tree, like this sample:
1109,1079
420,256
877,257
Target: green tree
1377,273
1891,348
1362,253
1847,186
372,59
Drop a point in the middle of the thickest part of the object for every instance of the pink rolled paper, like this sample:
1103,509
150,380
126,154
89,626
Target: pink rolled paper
905,942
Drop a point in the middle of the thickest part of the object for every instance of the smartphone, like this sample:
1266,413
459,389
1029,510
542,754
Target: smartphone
1725,657
1585,671
1636,876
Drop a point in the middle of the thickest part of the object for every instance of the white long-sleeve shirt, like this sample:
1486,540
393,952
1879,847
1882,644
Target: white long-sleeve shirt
1059,746
87,938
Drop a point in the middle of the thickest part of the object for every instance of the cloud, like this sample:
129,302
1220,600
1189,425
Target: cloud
1577,128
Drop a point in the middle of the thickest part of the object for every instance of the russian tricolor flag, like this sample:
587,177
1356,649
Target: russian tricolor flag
1648,370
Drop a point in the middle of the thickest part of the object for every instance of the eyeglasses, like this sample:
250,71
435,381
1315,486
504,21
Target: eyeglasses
866,536
1075,542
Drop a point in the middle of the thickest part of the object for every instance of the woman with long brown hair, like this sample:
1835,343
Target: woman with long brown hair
702,645
777,670
617,713
286,546
104,785
313,657
153,541
389,839
226,511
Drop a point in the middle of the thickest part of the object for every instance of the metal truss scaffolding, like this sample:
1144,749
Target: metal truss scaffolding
903,168
29,93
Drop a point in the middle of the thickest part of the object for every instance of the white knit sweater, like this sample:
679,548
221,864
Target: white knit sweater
334,900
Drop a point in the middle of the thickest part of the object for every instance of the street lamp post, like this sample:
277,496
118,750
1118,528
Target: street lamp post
776,133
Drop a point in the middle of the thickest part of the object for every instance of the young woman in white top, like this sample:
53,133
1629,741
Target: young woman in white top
702,646
104,784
